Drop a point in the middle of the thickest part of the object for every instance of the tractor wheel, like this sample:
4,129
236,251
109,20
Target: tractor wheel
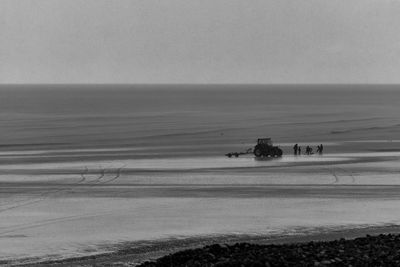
279,152
257,152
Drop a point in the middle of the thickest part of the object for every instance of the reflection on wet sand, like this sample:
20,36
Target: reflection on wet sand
69,206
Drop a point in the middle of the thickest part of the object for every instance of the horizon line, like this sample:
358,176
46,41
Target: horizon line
201,84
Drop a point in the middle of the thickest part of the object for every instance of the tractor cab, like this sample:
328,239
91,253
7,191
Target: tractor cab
264,141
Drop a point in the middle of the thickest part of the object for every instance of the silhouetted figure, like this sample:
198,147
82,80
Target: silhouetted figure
308,150
321,149
295,148
318,149
299,150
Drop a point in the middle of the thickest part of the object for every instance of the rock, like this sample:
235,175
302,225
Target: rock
379,250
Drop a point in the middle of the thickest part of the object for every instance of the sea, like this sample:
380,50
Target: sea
87,169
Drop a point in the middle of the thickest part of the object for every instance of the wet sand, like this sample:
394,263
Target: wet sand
134,253
82,174
57,210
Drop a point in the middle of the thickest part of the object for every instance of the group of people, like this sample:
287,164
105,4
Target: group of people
309,150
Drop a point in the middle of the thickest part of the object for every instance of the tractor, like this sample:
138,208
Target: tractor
264,148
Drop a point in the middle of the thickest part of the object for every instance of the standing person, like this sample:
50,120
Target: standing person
299,150
318,149
321,149
295,148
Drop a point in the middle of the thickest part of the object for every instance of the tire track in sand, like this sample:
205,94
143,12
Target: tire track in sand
83,178
345,173
43,196
65,218
7,231
336,178
350,174
117,175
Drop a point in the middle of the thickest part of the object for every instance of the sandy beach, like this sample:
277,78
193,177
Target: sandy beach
130,254
74,210
143,182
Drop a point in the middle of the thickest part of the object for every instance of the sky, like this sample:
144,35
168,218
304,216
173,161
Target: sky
199,41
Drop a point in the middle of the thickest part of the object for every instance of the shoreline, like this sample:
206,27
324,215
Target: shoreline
132,254
119,183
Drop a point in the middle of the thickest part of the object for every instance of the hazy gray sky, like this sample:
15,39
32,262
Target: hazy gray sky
199,41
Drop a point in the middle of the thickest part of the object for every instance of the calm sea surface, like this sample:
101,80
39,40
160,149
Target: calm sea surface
111,116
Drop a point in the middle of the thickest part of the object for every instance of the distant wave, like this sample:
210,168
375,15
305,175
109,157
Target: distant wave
341,131
373,128
337,121
320,122
31,144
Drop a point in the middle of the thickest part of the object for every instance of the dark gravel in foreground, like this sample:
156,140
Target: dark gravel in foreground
382,250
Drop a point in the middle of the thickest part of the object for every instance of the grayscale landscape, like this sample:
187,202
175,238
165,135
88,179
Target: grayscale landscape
85,174
217,133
